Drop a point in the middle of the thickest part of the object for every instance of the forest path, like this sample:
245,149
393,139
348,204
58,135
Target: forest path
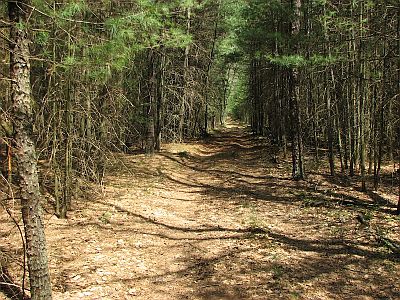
215,220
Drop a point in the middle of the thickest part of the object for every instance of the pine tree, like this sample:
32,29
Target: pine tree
25,150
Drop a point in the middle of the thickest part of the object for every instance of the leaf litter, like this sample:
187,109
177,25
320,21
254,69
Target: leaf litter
217,219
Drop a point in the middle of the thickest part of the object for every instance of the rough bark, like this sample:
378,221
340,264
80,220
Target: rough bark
25,151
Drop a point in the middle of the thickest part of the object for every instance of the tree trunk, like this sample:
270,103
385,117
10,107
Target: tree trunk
361,69
381,132
25,151
151,105
160,100
398,202
330,133
185,80
207,80
329,105
398,94
67,184
294,97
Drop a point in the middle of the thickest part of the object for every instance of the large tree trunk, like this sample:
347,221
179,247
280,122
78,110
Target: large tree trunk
25,151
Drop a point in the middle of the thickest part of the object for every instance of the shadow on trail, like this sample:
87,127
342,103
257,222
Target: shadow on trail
229,162
283,280
264,184
232,156
211,276
173,227
238,188
374,201
193,162
231,169
326,247
201,272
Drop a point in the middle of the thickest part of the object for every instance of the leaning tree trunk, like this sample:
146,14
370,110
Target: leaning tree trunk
25,151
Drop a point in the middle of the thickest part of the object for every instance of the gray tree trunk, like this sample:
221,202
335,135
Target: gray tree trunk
25,151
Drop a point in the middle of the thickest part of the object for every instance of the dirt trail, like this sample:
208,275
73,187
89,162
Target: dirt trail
219,220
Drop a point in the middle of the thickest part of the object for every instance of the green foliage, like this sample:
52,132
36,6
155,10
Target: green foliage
237,98
43,6
101,47
187,3
74,8
232,24
42,38
228,49
3,8
69,61
105,218
150,27
21,26
176,38
122,35
277,271
288,61
320,60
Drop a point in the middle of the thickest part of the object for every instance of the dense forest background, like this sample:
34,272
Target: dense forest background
319,78
110,75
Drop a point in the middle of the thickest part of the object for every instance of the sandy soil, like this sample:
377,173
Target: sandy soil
221,220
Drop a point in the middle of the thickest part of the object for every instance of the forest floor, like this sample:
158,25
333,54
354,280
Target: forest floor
219,219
